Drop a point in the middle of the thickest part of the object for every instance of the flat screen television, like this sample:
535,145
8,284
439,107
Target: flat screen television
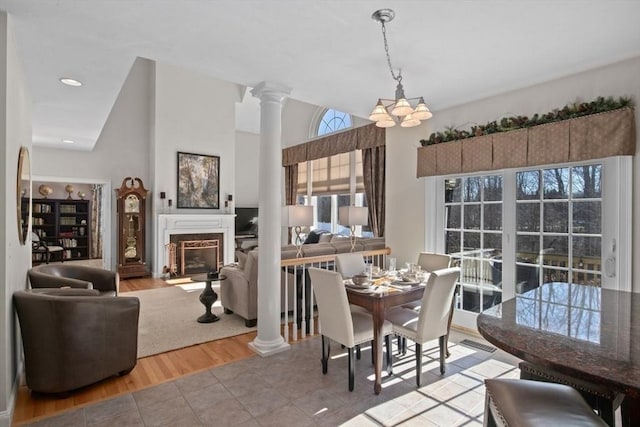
246,221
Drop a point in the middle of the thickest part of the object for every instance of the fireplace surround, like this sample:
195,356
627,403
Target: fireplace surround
168,225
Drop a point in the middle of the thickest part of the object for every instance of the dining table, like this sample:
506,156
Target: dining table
579,330
379,297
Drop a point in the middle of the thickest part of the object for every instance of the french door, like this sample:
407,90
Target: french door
514,230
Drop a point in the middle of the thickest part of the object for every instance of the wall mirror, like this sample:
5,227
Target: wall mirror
23,187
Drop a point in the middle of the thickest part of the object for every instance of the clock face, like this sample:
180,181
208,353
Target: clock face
132,204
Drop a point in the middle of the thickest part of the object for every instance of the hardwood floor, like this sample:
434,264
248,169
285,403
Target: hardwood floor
149,371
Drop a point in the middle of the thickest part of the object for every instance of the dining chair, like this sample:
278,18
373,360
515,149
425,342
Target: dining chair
431,261
350,264
339,323
428,262
432,321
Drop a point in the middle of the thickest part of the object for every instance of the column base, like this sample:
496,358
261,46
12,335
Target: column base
265,349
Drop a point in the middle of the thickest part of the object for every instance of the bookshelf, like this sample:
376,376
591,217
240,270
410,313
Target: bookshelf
63,222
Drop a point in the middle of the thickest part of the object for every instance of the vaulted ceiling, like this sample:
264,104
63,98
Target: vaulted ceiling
330,52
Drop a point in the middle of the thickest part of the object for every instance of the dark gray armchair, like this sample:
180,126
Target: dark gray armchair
74,337
74,276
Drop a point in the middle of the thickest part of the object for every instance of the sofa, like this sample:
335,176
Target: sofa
106,282
74,337
239,289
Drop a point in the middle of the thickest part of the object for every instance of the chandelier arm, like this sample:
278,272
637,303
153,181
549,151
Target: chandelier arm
397,78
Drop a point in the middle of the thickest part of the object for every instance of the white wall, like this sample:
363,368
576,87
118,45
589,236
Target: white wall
15,126
122,148
246,169
406,236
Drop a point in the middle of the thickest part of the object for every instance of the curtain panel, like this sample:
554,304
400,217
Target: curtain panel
96,221
596,136
371,140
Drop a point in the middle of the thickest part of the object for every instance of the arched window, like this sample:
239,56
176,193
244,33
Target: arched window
333,121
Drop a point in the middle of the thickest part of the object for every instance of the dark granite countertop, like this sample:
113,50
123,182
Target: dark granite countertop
583,331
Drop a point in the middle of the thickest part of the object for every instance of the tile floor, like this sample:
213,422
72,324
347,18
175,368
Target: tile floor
288,389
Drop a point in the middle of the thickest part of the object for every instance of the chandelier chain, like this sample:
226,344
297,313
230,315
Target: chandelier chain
397,78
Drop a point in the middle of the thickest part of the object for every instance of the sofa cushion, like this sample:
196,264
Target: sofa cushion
325,238
318,249
339,238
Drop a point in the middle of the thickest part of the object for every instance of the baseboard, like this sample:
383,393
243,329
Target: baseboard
7,416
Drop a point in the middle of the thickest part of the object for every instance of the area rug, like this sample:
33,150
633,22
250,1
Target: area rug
168,319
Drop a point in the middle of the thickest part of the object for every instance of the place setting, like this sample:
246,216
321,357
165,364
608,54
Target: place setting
375,280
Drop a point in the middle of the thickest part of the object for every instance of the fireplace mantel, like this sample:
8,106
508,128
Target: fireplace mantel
168,224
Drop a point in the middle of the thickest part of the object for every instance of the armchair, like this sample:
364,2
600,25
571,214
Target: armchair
74,337
40,246
74,276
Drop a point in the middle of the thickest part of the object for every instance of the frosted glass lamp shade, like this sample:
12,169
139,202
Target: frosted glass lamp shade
402,108
409,121
422,111
379,112
353,215
299,216
388,122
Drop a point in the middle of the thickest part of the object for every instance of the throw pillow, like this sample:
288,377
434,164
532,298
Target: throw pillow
312,237
242,259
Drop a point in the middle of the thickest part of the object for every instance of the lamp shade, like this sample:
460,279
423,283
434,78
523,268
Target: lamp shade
299,216
402,108
379,112
422,111
353,215
409,121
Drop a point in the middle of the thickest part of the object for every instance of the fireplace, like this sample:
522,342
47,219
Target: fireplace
197,253
175,228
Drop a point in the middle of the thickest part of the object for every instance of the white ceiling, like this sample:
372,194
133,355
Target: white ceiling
329,52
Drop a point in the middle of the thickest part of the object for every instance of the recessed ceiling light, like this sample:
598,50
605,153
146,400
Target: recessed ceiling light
68,141
70,82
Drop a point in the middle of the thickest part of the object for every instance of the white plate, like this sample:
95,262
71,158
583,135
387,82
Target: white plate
405,283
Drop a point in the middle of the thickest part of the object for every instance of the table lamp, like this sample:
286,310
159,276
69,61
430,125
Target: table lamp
352,216
299,216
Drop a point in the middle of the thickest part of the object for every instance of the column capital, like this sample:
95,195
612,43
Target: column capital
271,91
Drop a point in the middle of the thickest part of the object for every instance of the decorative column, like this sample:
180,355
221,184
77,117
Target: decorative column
269,339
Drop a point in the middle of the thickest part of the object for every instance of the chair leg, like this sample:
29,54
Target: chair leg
351,369
488,421
387,342
358,353
373,353
399,344
418,364
443,351
325,354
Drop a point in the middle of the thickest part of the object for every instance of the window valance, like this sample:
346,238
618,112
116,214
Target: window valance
612,133
342,142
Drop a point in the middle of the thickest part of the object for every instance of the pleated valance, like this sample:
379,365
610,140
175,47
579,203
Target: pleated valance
343,142
612,133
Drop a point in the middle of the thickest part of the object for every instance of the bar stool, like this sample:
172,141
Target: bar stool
524,403
604,400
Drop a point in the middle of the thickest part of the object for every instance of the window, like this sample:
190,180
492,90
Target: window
473,237
333,121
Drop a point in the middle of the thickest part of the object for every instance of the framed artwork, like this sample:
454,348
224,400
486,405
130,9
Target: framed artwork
198,181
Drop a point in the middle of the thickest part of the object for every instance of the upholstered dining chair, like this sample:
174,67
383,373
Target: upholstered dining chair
431,261
350,264
432,321
338,322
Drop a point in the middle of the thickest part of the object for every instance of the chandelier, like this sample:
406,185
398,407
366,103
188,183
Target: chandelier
400,107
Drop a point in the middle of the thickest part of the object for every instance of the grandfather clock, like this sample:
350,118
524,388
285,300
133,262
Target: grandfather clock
131,198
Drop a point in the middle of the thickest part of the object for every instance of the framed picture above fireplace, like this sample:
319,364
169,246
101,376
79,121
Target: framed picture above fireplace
198,181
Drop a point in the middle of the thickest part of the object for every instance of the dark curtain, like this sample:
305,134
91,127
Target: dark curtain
373,168
290,188
290,183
